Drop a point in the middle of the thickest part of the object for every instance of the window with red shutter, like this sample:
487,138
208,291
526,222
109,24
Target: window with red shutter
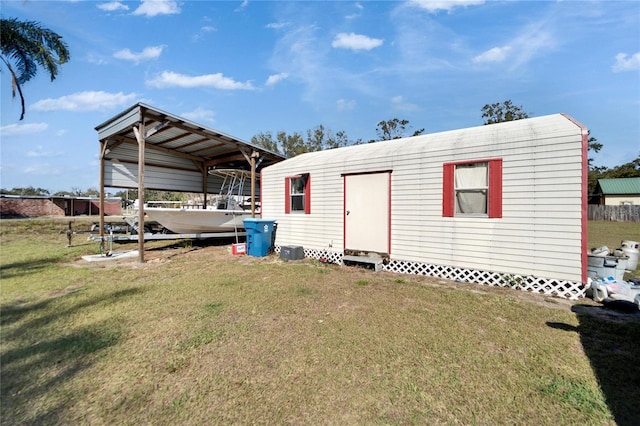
297,192
472,188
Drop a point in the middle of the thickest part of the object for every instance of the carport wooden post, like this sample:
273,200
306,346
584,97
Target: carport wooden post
103,147
204,186
139,132
254,155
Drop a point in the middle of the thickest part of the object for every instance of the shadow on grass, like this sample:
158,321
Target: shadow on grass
18,269
11,313
38,357
610,336
197,243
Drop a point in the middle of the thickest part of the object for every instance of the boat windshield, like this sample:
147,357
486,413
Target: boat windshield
231,195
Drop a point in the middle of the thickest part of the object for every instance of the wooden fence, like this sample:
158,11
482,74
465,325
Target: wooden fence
614,213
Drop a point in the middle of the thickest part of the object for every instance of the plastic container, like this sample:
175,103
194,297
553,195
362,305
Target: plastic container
606,266
239,249
630,248
259,233
601,251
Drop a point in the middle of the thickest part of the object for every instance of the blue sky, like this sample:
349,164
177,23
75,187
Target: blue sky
244,67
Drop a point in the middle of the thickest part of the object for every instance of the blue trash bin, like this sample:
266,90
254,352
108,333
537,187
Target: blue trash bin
259,233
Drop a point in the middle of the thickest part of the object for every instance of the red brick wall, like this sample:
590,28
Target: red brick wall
33,207
111,208
29,207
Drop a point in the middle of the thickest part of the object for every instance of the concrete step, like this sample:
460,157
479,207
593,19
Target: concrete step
374,262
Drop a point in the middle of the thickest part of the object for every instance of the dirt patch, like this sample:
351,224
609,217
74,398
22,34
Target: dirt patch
65,291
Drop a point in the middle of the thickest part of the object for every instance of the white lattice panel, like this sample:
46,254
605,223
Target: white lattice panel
550,287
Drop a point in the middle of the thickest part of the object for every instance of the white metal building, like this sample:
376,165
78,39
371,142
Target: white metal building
502,204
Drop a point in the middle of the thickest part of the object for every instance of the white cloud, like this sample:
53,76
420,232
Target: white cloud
147,54
22,129
626,63
39,152
200,115
277,25
534,40
275,78
113,6
216,81
398,102
496,54
203,30
95,59
242,6
357,14
345,104
157,7
433,6
355,42
44,169
303,55
86,101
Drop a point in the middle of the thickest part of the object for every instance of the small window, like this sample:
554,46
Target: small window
472,188
297,194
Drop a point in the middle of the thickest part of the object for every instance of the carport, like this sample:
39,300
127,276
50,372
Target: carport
146,148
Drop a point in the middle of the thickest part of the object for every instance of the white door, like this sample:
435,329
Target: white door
367,212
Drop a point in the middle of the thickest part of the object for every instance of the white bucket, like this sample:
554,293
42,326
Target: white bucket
630,248
600,251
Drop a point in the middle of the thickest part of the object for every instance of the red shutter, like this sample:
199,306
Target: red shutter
307,196
447,190
495,188
287,195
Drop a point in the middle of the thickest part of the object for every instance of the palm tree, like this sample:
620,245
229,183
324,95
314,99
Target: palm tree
26,44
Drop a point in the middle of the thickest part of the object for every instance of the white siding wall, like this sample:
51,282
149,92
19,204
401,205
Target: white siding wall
619,200
539,234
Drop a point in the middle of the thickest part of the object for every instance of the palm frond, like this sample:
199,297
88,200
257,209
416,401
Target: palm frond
27,45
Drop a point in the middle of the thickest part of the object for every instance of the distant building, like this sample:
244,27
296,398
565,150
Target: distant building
14,206
617,192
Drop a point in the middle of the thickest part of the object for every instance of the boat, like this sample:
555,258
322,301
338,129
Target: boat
226,214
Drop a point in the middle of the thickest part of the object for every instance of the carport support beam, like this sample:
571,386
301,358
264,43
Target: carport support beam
254,155
139,132
103,146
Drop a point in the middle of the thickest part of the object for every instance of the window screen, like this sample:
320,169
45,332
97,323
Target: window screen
297,190
472,188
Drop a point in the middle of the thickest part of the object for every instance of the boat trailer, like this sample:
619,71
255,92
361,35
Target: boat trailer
130,232
120,238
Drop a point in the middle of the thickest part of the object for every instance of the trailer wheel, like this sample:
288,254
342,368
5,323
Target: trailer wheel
146,230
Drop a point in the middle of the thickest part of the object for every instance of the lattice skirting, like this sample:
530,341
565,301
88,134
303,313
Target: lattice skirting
551,287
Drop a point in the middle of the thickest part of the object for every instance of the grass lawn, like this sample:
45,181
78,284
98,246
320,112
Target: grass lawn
197,336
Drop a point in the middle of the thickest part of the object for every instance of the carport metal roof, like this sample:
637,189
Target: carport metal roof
175,145
169,153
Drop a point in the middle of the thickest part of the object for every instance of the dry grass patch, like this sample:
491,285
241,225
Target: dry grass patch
198,336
